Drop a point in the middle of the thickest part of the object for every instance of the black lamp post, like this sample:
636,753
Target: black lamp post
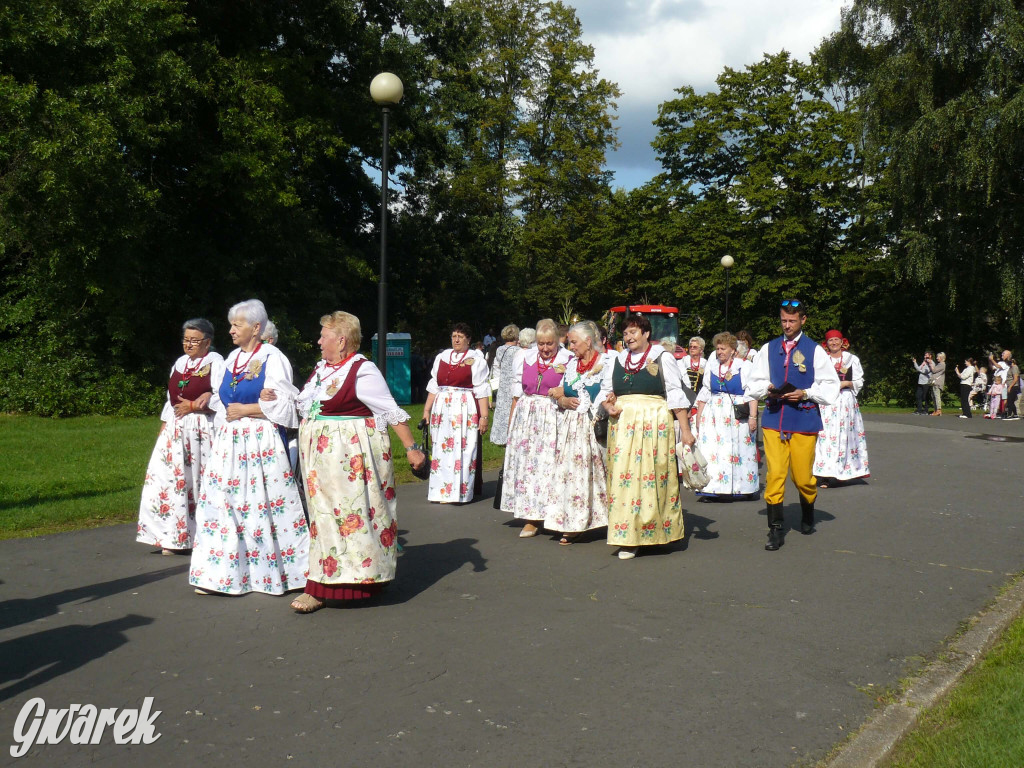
386,89
727,262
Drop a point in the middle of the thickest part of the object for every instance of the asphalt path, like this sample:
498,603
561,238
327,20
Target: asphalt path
490,650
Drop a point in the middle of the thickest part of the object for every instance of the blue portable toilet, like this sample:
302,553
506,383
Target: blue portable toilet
399,352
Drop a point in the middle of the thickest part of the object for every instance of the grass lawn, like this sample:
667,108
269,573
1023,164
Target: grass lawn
979,725
68,474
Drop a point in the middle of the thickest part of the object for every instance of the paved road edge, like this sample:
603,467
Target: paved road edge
873,742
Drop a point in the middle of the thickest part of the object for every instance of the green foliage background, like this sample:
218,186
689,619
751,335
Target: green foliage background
164,159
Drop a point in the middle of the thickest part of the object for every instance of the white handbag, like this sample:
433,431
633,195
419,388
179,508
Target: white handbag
693,467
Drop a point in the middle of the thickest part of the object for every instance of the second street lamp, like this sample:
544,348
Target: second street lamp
386,89
727,263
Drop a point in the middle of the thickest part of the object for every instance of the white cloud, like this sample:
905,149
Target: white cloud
652,47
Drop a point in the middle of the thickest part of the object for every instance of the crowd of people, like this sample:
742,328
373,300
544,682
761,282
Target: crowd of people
993,387
593,440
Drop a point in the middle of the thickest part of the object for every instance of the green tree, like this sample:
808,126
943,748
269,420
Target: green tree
529,122
763,169
939,89
164,159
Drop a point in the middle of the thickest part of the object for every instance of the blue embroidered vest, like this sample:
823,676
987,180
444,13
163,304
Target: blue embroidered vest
730,386
802,417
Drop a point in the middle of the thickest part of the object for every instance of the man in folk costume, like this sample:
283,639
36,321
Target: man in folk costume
794,376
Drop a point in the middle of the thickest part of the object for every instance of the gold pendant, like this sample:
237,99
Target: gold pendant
728,376
333,389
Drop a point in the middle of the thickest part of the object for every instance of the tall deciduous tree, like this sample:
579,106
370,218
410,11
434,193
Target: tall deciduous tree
762,169
530,121
161,159
940,90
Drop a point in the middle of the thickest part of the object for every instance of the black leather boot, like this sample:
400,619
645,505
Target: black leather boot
806,517
775,521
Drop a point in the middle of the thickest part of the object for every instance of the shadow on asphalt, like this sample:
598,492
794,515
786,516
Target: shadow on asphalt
35,659
24,610
56,497
423,565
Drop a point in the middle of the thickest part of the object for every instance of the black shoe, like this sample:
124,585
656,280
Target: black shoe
806,528
775,539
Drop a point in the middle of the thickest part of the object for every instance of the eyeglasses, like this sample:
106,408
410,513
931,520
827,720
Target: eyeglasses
193,342
794,303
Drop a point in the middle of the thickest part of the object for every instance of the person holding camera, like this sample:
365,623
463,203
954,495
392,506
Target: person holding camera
727,425
795,376
924,382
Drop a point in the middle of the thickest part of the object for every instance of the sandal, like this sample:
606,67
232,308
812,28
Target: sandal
306,603
568,538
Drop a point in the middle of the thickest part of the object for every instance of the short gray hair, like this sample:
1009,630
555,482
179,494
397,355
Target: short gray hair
200,324
589,329
527,337
252,311
668,343
510,332
699,341
270,333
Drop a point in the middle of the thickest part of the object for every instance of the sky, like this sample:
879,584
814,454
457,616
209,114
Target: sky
651,47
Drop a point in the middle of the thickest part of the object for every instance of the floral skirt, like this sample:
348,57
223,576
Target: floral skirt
580,493
454,438
528,485
643,484
251,531
350,490
730,449
842,449
167,512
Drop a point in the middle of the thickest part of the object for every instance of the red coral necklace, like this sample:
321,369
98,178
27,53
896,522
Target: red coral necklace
237,372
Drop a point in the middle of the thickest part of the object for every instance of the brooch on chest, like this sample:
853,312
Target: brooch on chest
254,370
800,361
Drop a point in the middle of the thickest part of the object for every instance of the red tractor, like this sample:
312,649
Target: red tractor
664,323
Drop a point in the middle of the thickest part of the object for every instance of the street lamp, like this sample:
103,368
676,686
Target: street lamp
386,89
727,262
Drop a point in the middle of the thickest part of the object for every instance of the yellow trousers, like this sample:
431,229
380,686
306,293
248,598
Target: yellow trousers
794,455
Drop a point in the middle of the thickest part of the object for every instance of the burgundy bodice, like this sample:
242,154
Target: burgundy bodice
460,376
196,384
345,402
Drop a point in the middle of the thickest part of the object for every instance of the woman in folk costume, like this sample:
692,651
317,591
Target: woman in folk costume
641,390
841,453
727,438
503,371
346,409
458,399
580,499
167,512
528,489
251,532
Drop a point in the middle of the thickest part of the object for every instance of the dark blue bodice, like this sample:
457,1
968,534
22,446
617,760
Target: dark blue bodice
245,391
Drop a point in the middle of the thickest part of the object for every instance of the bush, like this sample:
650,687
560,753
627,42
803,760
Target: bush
43,383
